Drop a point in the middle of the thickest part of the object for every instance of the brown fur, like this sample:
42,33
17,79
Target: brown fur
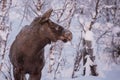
27,50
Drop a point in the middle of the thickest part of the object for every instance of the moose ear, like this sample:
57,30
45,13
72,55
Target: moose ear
46,15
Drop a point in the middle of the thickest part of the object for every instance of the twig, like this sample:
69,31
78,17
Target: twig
101,36
63,10
34,11
24,13
5,75
81,25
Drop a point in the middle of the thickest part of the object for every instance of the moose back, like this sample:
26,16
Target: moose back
27,50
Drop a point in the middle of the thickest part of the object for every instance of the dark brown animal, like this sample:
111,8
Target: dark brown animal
27,50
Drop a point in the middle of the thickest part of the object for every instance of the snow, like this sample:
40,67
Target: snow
14,16
3,34
97,25
58,6
81,20
109,6
106,69
109,25
116,30
88,64
89,35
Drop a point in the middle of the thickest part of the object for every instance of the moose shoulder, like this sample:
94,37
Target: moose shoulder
27,50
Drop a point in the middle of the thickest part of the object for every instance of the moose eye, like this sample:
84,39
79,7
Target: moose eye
59,28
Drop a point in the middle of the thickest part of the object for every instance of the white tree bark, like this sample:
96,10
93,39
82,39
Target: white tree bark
4,33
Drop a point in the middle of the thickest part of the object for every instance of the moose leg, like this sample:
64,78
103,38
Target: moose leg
18,75
36,76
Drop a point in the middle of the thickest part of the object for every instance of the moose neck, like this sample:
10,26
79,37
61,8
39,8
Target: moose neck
40,39
43,43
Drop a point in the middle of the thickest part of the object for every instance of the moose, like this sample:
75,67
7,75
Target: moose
27,50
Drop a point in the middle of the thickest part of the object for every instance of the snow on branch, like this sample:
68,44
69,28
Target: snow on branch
109,6
95,15
87,65
89,35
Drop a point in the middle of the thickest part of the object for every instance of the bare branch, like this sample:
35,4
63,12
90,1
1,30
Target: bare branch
24,13
34,11
101,36
81,25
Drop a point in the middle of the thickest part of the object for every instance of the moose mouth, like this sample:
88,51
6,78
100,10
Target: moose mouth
67,36
67,39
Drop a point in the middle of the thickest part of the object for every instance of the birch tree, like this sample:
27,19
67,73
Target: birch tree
5,28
